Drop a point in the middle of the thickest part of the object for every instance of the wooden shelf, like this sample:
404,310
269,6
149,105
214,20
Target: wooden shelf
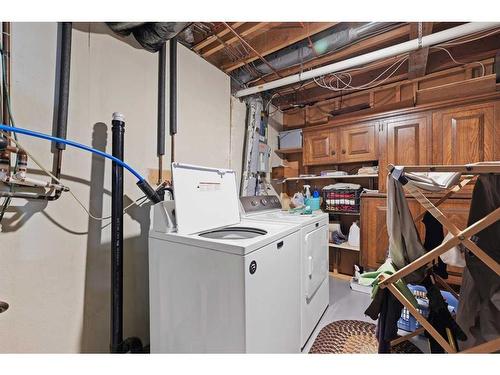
287,151
344,245
340,276
342,213
330,177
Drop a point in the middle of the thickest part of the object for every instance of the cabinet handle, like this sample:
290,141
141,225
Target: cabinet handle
279,245
333,152
343,151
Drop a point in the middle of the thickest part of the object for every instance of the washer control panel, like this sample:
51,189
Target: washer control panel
260,203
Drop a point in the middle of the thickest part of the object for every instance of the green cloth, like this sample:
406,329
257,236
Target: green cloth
386,269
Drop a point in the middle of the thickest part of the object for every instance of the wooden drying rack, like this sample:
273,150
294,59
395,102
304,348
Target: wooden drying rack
469,172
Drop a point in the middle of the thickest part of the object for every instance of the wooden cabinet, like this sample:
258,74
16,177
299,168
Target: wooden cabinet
404,140
345,144
320,147
463,135
374,239
359,142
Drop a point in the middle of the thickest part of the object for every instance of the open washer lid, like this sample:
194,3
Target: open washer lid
205,198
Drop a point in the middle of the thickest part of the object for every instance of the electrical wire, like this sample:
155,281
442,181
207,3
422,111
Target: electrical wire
460,62
74,144
347,85
47,172
458,41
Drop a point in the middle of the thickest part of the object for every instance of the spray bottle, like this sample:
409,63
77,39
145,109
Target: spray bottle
307,191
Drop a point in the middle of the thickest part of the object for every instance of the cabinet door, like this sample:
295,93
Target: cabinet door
406,143
359,142
320,147
463,135
374,238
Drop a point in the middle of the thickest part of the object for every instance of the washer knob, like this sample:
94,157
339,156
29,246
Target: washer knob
263,201
254,203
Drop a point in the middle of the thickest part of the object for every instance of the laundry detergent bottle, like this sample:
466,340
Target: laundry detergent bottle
353,238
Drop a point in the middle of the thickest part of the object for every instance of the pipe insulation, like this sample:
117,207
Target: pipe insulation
327,41
162,72
64,74
173,86
412,45
173,95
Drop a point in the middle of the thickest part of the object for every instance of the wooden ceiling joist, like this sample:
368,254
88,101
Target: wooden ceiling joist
215,36
418,59
438,60
386,39
276,39
244,30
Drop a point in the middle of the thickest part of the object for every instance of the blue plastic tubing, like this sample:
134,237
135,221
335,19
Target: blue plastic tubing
50,138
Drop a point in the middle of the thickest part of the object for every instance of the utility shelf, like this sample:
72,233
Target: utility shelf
342,213
287,151
344,245
330,177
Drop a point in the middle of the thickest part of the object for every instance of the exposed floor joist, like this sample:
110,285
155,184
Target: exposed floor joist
438,60
418,59
276,39
388,38
245,29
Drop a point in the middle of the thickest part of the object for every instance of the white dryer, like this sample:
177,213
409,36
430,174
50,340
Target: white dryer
314,285
220,284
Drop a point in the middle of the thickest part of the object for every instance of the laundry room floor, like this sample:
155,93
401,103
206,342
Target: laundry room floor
346,304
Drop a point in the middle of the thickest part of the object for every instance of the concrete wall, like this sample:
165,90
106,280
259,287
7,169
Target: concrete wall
54,259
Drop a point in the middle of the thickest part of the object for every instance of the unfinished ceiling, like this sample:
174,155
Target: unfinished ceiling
253,53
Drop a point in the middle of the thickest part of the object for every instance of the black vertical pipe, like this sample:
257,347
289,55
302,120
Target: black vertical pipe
162,71
64,74
6,61
118,130
173,93
160,145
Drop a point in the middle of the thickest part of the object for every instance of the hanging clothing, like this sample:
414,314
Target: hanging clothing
389,314
440,318
433,238
385,307
404,242
479,303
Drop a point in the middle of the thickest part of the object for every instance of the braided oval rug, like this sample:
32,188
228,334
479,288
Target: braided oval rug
353,336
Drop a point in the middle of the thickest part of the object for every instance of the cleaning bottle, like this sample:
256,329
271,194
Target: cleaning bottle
353,238
307,191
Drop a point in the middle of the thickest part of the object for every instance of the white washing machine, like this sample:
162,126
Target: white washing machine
314,284
220,284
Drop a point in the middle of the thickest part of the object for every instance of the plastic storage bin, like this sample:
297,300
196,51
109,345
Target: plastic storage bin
408,323
342,200
314,203
290,139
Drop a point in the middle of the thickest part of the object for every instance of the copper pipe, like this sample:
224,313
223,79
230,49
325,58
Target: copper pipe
253,49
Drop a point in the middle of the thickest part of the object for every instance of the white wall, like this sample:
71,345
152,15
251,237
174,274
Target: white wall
54,260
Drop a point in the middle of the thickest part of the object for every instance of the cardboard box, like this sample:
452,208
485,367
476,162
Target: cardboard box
290,170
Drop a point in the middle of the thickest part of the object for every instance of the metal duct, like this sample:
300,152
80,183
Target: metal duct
151,35
394,50
324,42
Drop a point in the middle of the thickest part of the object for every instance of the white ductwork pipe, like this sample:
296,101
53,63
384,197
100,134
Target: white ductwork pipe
398,49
